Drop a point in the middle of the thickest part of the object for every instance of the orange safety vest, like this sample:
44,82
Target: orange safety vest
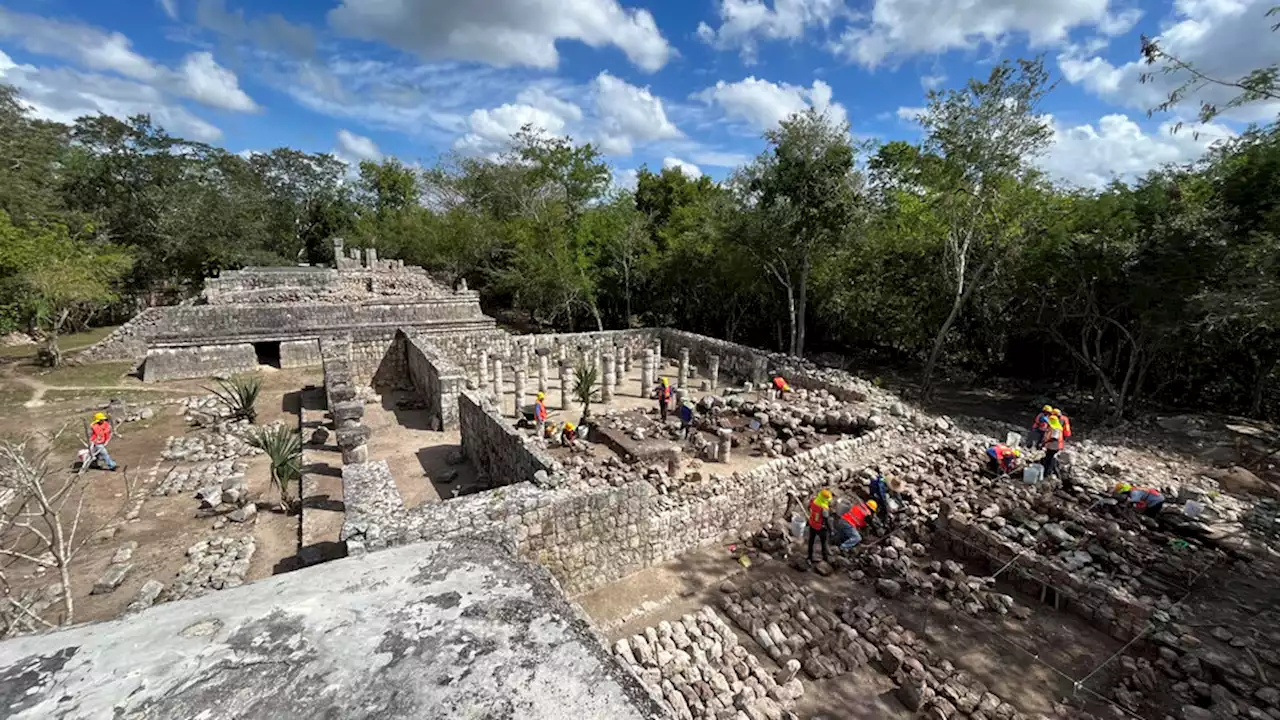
1066,425
815,515
100,433
540,411
857,516
664,392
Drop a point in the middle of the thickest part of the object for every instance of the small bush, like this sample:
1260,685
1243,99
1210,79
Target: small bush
240,396
284,448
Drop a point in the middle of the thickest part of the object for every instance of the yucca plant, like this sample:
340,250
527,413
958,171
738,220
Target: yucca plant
283,447
585,379
240,396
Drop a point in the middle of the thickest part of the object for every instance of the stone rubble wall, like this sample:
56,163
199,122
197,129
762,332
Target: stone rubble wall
127,342
436,380
379,362
739,361
342,391
1098,604
314,284
372,503
499,450
198,361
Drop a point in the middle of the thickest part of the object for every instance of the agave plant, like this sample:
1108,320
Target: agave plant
240,396
585,379
283,447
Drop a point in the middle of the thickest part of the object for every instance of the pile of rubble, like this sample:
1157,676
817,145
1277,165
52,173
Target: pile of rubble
696,669
220,562
224,441
181,481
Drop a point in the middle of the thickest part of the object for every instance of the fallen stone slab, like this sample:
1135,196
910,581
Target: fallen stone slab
244,514
146,597
111,579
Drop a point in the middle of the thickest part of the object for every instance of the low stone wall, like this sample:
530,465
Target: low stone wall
197,362
591,538
372,501
128,342
740,361
436,380
1100,605
497,448
299,354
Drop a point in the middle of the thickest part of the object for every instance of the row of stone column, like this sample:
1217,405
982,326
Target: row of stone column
612,371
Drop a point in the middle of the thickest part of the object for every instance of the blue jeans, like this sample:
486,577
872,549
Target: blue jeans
99,453
853,540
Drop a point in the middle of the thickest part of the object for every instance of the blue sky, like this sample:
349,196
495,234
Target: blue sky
691,83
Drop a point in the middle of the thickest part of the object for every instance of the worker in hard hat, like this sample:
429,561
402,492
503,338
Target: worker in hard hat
850,524
1051,444
1148,501
686,417
568,434
540,414
1002,459
780,385
1062,418
1039,426
664,397
819,522
99,436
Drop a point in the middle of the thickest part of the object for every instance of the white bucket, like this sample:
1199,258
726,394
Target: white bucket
1013,439
797,525
1033,473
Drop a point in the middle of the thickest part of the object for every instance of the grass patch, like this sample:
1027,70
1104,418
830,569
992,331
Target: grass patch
14,396
102,396
68,343
91,375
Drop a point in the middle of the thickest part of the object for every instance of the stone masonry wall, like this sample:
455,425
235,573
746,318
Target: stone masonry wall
199,361
737,360
590,538
299,353
128,342
497,448
436,380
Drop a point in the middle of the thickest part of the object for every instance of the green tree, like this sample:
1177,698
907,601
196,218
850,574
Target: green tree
46,276
799,196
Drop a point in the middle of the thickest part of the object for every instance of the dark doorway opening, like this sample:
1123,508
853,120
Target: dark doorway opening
268,353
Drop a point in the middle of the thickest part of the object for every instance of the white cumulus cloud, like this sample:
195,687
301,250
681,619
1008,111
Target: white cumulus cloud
1225,39
763,104
353,148
504,32
64,94
628,115
744,23
491,129
208,82
689,169
901,28
1118,148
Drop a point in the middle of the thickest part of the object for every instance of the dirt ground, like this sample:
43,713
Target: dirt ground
1029,663
418,456
37,403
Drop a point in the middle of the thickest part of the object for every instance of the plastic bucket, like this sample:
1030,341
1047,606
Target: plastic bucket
1033,473
1013,439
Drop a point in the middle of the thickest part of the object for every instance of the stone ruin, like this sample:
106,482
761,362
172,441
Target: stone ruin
375,326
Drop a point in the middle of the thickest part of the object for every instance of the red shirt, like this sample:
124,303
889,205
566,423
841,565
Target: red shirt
540,411
100,433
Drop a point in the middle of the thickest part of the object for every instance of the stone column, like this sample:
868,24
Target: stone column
497,382
519,401
337,251
542,373
584,358
482,381
561,353
626,359
725,436
610,379
657,351
683,377
713,371
619,374
646,373
371,257
566,379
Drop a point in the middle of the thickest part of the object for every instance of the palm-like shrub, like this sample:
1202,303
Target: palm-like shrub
240,396
283,447
585,379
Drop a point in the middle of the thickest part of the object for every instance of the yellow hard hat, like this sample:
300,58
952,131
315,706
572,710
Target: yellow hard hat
568,426
542,395
1055,411
1047,408
99,417
666,381
873,505
1123,487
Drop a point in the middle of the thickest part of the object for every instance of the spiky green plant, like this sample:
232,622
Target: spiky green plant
585,379
240,396
283,447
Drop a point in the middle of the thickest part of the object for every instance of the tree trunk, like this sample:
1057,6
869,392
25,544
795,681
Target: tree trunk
800,307
791,319
926,383
1258,393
